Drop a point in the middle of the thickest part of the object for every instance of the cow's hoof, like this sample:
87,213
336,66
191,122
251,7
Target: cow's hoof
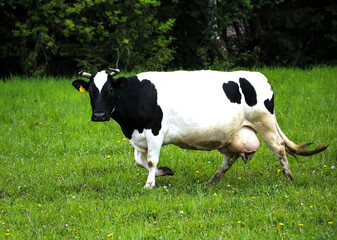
163,171
148,186
211,181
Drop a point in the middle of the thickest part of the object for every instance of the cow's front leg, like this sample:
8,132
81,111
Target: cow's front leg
152,161
154,144
141,162
140,159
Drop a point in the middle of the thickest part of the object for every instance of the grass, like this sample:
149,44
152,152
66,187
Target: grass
65,177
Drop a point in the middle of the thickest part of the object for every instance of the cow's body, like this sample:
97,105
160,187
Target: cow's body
200,110
197,114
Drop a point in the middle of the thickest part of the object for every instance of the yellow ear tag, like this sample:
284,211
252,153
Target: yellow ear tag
82,89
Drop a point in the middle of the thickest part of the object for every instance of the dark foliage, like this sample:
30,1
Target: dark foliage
61,37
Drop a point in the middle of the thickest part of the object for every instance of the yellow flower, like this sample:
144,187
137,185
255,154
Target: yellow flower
196,171
279,170
325,166
228,185
7,234
107,157
61,133
110,235
300,225
239,222
330,223
118,141
311,206
281,224
214,194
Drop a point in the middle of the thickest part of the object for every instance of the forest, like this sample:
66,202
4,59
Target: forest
61,37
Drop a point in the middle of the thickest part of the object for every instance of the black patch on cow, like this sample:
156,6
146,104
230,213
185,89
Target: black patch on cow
136,107
269,104
232,92
248,91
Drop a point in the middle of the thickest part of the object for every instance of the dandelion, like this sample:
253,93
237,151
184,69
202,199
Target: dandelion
61,133
239,222
118,141
124,139
325,166
7,234
214,194
110,235
228,185
108,157
279,170
196,171
300,225
281,224
181,212
330,223
311,206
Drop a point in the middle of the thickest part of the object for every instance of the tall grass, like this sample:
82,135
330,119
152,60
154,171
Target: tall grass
65,177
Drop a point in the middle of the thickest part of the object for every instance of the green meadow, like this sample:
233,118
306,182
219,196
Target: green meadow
65,177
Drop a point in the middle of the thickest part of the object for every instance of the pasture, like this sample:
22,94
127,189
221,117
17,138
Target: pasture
65,177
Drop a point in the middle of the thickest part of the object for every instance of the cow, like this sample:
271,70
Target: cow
197,110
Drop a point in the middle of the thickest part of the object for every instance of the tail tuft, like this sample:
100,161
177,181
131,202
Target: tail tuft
301,149
293,148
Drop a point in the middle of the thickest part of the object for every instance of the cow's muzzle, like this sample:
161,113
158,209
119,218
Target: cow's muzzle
100,117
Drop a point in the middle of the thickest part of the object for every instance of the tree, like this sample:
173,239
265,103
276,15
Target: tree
59,36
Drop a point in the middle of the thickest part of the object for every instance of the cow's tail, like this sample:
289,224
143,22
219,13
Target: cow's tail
295,149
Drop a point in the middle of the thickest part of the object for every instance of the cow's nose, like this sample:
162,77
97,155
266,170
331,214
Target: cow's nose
100,117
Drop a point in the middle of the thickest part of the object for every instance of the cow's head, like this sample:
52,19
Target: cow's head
101,88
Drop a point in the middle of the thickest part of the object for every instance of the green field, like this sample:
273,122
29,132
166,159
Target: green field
65,177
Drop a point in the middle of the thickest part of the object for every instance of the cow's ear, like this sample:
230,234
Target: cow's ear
119,82
81,85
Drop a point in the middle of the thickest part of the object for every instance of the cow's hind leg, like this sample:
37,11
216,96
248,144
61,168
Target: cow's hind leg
141,162
227,162
268,131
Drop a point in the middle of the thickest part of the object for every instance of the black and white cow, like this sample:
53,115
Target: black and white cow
200,110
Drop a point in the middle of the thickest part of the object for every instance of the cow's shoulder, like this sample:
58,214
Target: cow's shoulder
137,107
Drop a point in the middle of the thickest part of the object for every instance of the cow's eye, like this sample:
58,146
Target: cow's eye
110,90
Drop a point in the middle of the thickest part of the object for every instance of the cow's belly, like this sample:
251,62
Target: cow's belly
212,128
203,139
